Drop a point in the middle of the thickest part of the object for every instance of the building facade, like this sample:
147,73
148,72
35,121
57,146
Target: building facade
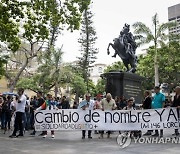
96,71
174,16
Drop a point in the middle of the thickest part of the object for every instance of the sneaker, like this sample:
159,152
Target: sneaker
13,136
83,137
52,136
101,136
147,134
175,134
20,135
33,133
44,136
89,137
155,135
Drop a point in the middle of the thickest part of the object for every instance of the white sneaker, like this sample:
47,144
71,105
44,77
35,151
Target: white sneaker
52,136
44,136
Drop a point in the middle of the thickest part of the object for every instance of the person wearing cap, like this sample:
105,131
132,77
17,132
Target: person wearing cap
158,102
97,103
176,103
86,104
107,103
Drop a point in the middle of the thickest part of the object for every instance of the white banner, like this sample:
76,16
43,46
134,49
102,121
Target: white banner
76,119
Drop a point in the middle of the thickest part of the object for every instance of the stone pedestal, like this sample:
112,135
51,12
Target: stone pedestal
124,84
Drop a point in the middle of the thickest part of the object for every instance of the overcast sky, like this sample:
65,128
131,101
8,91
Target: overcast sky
109,18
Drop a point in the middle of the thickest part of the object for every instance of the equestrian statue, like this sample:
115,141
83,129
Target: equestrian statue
125,47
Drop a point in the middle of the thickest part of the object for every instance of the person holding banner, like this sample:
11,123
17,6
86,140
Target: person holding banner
176,103
147,105
48,105
34,104
158,102
97,103
86,104
107,104
130,106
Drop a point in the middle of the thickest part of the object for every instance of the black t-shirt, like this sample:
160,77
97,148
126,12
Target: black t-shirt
147,103
121,105
176,101
5,107
65,104
40,102
36,103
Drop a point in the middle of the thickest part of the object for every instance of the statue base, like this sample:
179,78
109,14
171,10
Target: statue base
124,84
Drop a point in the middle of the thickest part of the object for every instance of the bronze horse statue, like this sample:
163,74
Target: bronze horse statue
124,50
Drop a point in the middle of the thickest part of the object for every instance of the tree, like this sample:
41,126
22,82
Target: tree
100,87
87,42
157,36
33,17
2,63
78,86
145,68
168,64
50,70
117,66
36,23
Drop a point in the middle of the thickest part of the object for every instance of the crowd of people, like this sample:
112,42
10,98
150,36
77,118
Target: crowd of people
17,111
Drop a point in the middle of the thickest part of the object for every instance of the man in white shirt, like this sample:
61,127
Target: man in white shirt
86,104
20,109
107,103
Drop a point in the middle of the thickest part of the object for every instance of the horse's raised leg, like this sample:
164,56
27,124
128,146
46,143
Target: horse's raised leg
110,44
126,65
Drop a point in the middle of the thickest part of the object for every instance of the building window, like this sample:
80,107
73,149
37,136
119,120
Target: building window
100,70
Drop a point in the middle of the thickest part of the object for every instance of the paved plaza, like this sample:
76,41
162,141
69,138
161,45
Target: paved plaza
70,142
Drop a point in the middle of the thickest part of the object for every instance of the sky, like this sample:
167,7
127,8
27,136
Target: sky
109,19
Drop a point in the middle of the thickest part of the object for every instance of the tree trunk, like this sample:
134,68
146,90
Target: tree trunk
11,89
56,90
156,70
15,80
77,97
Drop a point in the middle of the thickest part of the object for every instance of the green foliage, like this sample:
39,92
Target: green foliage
117,66
3,60
48,73
37,23
157,35
28,83
169,64
87,41
92,88
145,68
100,87
31,19
78,85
